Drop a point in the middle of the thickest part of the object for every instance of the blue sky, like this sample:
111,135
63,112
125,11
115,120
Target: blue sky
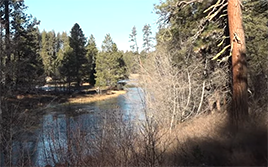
97,17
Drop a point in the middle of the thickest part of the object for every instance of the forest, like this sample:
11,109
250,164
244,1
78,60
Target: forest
204,86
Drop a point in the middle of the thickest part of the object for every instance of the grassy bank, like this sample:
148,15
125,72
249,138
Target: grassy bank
81,99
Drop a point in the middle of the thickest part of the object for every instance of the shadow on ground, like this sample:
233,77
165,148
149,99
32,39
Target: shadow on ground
216,142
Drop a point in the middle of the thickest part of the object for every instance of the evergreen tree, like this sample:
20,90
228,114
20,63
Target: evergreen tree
133,40
239,62
191,30
77,43
20,64
107,44
110,66
27,60
190,37
65,59
92,52
67,66
131,61
49,52
64,46
255,20
147,38
57,60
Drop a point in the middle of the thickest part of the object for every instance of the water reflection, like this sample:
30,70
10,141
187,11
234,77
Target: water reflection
69,129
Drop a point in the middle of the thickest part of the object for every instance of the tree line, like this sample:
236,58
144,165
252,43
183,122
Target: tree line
75,59
28,56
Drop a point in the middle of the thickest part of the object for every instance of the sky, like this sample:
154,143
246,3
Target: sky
97,17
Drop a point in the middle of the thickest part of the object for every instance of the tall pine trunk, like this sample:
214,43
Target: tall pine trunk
239,65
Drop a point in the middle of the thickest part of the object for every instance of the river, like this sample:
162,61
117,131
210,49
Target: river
49,142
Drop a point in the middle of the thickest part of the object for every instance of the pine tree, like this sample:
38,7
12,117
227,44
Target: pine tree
21,66
255,18
58,45
107,44
64,49
147,38
63,46
239,62
133,40
77,43
27,60
92,52
49,52
194,26
110,66
131,59
67,67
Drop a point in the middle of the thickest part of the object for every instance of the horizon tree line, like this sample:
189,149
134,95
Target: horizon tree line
74,59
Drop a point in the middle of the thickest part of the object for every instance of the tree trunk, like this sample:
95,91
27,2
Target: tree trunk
7,48
239,65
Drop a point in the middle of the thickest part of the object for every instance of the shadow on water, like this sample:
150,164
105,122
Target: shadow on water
62,126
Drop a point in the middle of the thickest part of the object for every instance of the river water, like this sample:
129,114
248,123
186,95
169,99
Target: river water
49,142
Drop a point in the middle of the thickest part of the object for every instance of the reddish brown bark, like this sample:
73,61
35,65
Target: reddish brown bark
239,64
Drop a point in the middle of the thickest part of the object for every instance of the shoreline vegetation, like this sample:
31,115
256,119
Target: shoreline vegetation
27,102
51,94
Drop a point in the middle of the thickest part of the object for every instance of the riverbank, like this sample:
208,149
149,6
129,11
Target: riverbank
81,99
31,102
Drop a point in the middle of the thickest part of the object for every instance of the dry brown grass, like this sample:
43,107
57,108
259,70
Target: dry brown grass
92,98
213,140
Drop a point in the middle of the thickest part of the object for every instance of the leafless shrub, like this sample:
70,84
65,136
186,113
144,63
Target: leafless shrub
17,148
175,94
110,141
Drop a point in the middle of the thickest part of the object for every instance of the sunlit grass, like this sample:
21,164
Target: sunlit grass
92,98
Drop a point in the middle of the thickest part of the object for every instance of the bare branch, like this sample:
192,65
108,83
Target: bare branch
202,97
183,4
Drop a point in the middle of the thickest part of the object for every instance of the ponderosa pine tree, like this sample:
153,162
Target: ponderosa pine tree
239,62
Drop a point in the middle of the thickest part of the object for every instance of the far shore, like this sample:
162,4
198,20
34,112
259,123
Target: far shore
82,99
26,102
